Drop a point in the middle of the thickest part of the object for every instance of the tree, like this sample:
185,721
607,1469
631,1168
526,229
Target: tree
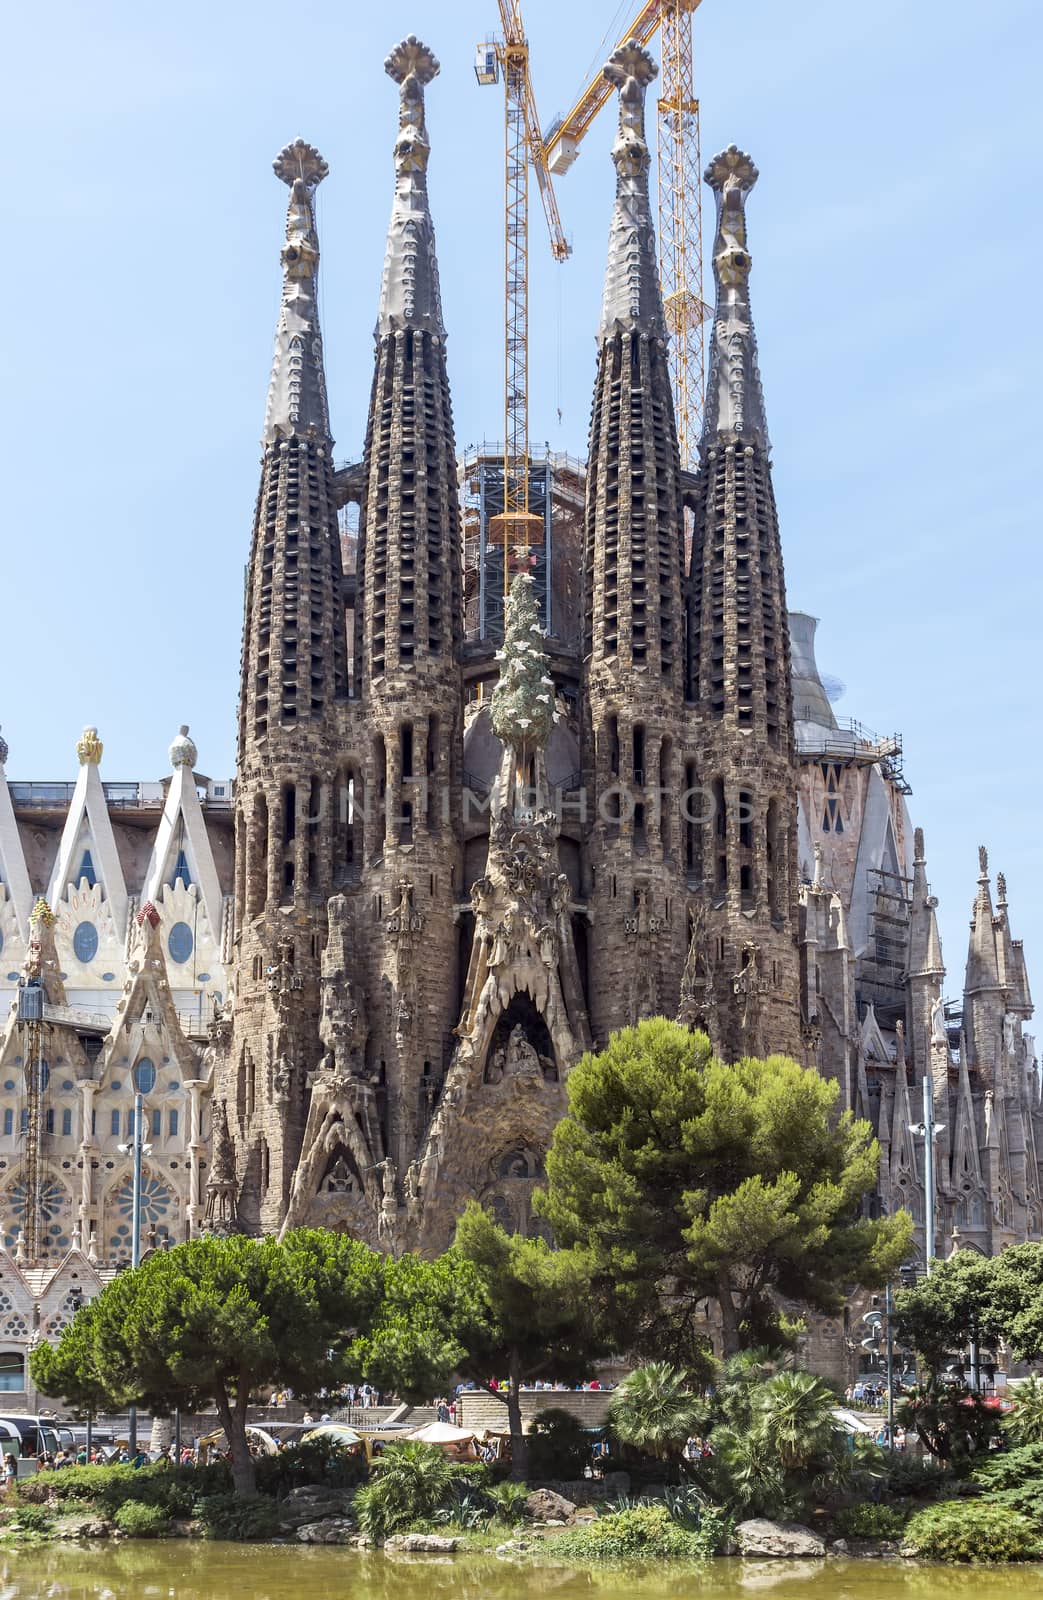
1016,1299
688,1179
69,1370
655,1410
939,1315
1023,1424
213,1320
539,1316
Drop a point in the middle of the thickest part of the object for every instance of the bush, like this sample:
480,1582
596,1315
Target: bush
508,1501
644,1531
919,1478
973,1532
319,1460
142,1521
29,1519
236,1516
559,1446
108,1488
1011,1469
412,1482
869,1521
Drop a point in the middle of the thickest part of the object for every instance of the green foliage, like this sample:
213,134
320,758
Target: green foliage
917,1477
523,699
655,1410
108,1488
1023,1424
1017,1299
954,1423
870,1521
237,1516
939,1314
1014,1478
958,1530
142,1521
508,1501
793,1412
319,1460
559,1446
29,1519
211,1320
412,1482
735,1183
433,1314
643,1532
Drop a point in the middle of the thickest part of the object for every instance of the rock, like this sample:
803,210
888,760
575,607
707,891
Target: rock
840,1547
331,1530
313,1503
421,1543
759,1537
543,1504
513,1547
87,1526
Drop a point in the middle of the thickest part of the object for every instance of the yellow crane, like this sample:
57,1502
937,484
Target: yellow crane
516,527
680,196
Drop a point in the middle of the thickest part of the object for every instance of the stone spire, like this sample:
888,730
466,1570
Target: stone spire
925,947
632,300
409,293
738,680
734,400
297,393
410,555
983,971
633,607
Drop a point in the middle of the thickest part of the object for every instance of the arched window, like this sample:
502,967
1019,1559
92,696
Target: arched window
145,1076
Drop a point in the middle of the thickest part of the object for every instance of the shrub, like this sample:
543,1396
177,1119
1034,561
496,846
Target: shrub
412,1482
919,1478
869,1521
142,1521
108,1488
1023,1425
1011,1469
973,1532
319,1460
559,1446
236,1516
29,1519
644,1531
508,1501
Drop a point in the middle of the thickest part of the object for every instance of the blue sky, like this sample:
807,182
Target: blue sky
896,218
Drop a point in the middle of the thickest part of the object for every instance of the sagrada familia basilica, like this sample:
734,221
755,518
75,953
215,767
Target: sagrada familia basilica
350,985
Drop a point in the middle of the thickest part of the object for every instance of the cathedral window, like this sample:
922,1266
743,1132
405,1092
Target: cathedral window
85,942
87,870
66,1123
12,1371
48,1120
114,1124
8,1121
144,1076
173,1118
157,1124
180,942
181,873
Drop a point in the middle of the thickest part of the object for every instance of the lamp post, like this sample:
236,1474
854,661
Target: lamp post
889,1307
139,1148
927,1130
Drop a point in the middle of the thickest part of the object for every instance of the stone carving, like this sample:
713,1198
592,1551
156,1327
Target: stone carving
939,1035
220,1214
632,297
89,748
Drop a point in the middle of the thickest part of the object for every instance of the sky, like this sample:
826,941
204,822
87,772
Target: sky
895,234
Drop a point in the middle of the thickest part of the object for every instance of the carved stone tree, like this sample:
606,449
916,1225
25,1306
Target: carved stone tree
523,701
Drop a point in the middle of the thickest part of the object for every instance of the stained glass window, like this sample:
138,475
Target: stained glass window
85,942
145,1076
180,942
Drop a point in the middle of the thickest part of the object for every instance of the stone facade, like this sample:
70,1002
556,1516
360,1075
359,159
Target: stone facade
456,866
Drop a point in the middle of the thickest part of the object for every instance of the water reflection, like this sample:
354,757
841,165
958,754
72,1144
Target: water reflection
178,1570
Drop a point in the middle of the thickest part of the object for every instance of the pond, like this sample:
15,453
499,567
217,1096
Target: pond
180,1571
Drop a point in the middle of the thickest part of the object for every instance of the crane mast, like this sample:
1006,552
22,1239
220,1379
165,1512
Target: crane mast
30,1016
516,527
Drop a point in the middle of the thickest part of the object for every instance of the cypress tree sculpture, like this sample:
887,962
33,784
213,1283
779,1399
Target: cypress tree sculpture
523,700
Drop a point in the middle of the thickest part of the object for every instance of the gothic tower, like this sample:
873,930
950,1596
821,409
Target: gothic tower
633,609
408,719
294,685
741,845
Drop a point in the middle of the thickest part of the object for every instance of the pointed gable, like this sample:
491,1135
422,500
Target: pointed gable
87,857
182,855
15,890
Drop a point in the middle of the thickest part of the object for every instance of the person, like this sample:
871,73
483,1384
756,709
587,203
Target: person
307,1417
10,1473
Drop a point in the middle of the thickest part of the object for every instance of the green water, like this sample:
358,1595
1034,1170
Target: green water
180,1571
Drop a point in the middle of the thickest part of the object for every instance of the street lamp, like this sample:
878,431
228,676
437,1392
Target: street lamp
140,1148
927,1130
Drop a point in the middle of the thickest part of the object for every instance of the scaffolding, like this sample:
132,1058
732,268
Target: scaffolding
556,484
881,968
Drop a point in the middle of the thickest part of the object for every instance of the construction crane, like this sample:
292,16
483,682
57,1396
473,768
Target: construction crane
516,527
680,197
